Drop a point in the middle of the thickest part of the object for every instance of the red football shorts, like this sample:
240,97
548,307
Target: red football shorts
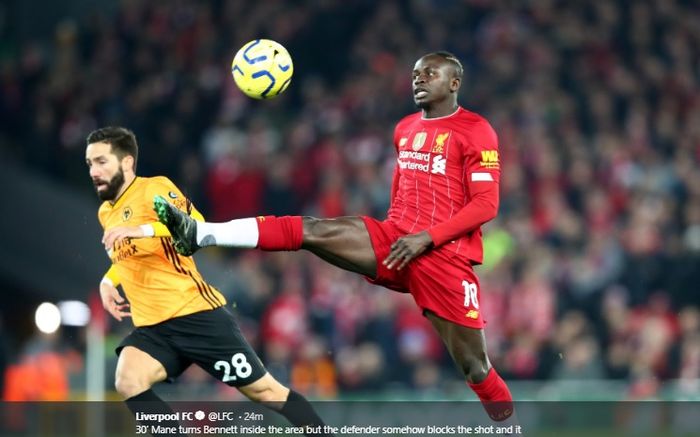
439,280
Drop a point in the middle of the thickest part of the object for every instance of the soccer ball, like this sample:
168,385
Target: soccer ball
262,69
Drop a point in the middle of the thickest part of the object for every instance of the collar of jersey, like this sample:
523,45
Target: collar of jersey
116,202
444,116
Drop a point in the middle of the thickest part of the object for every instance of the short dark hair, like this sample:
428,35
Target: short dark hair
122,140
452,59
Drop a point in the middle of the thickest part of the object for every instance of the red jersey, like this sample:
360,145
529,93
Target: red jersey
446,179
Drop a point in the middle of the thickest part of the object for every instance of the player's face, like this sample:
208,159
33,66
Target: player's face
105,170
433,81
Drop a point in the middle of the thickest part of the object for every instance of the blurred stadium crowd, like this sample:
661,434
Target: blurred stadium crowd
593,265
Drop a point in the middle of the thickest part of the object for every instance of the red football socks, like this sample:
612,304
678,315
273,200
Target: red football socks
280,233
495,396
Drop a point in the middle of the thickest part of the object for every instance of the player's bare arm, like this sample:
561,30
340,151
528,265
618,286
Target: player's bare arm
113,302
155,229
407,248
119,233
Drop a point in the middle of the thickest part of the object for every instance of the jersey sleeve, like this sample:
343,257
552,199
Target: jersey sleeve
483,162
482,173
395,177
164,187
101,212
394,184
112,276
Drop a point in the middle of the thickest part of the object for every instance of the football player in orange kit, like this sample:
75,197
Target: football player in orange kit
179,318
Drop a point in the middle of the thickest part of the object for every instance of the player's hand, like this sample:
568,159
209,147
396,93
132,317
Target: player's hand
118,233
113,302
407,248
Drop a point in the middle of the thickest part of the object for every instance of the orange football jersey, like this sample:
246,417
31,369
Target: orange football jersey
159,283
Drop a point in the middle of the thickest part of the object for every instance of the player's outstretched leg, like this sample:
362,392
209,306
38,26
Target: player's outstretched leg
189,235
182,227
342,241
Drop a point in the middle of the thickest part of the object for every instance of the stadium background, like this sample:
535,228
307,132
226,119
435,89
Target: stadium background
590,285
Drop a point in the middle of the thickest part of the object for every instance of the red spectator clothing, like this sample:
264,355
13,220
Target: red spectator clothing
446,179
416,338
284,321
235,191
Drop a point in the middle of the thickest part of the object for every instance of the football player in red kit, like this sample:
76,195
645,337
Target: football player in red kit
445,187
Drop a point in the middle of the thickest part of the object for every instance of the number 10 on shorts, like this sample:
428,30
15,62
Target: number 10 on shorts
470,295
241,368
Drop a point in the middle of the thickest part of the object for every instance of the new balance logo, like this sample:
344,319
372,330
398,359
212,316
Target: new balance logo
439,164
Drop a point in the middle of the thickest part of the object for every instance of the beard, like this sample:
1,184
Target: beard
422,104
113,187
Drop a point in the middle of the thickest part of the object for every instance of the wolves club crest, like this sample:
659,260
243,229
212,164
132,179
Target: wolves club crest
126,214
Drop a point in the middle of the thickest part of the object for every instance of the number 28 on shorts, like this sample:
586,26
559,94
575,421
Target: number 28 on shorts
240,366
